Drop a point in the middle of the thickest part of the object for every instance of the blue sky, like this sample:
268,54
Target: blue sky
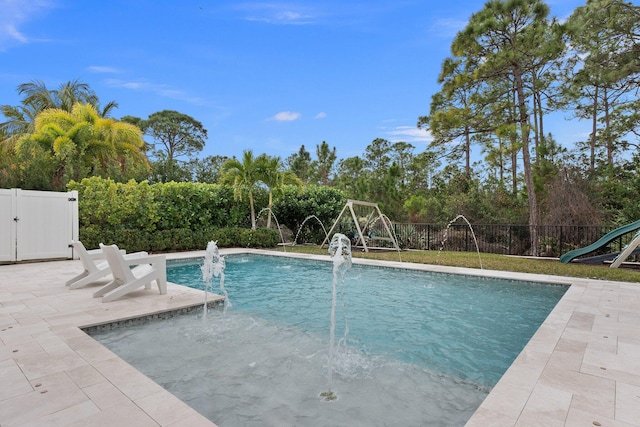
266,76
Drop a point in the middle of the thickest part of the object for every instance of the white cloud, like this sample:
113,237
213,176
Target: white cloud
12,32
409,134
286,116
448,27
15,13
103,69
157,89
321,115
276,13
127,85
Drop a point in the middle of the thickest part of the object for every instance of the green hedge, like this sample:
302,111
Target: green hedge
105,203
166,217
177,216
179,239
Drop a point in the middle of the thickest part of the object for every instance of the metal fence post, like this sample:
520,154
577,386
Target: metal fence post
561,242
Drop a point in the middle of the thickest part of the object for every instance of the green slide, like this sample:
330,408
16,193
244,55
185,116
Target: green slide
603,241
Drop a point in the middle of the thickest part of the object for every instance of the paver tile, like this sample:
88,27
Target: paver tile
582,365
628,403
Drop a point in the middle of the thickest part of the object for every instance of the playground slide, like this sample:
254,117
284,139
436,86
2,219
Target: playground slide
626,252
603,241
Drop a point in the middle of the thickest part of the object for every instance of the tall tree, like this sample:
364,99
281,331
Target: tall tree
609,33
326,158
510,40
300,164
175,135
420,171
402,155
603,73
207,169
353,177
456,113
377,157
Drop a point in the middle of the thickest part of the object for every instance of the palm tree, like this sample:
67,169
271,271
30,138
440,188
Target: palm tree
122,142
272,175
80,141
65,97
37,98
20,122
243,176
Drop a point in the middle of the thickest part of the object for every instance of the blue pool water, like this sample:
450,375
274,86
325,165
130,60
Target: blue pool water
422,348
469,327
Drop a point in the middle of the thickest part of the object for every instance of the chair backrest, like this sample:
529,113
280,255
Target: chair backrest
86,260
119,269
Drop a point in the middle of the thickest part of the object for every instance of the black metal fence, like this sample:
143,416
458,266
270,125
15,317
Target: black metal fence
506,239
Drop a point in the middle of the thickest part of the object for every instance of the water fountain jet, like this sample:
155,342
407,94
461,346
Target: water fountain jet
446,234
326,235
340,253
213,266
272,215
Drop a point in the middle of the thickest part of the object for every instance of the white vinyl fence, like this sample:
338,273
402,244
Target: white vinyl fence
36,225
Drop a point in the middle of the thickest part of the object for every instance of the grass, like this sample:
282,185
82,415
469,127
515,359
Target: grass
491,262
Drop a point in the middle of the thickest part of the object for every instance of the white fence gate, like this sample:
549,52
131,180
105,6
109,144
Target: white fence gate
37,224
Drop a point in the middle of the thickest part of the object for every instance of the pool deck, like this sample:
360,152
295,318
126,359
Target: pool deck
581,368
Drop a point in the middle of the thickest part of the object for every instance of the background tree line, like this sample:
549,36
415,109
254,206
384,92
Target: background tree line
509,68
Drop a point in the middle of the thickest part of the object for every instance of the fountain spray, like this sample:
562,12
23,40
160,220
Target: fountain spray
446,234
213,266
340,252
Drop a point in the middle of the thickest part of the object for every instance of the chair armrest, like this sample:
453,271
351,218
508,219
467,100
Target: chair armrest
96,254
134,254
148,259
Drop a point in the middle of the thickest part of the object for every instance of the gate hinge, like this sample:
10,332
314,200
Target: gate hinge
72,199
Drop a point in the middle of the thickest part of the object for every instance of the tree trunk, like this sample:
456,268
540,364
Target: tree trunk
607,130
594,132
514,152
536,131
540,120
514,169
502,160
253,211
526,163
270,211
467,151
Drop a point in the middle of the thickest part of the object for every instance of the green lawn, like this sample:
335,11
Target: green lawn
491,262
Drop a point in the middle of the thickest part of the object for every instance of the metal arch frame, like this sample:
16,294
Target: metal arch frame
376,209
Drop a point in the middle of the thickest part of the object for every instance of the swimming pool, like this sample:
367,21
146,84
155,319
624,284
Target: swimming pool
423,348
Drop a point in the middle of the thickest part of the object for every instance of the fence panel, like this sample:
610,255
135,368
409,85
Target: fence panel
46,224
37,224
7,225
505,239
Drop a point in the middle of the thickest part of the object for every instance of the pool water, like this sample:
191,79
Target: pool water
422,348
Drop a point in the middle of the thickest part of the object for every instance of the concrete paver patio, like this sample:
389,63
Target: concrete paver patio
581,368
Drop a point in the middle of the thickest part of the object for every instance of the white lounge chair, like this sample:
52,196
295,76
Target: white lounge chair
95,265
125,279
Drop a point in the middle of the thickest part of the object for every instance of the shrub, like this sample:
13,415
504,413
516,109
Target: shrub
179,239
170,216
295,206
